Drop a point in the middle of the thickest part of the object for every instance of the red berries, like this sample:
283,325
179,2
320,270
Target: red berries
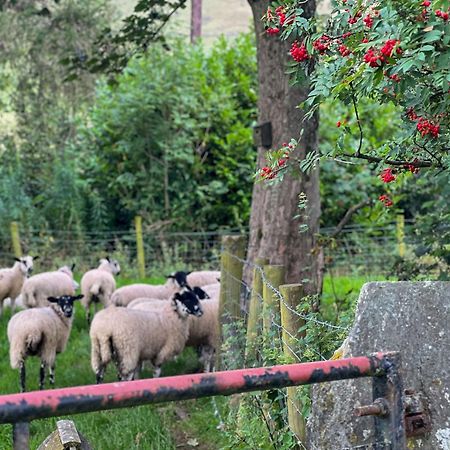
344,51
388,47
373,59
267,173
426,127
387,175
377,58
281,15
394,77
338,124
322,44
299,52
368,21
273,30
443,15
386,200
426,3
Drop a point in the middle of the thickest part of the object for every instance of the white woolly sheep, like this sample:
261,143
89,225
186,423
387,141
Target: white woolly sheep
42,332
129,336
203,277
12,279
203,331
37,288
126,294
97,285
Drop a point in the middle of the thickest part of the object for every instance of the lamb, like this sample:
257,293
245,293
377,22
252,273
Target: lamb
125,294
203,331
42,332
97,285
37,288
12,279
130,336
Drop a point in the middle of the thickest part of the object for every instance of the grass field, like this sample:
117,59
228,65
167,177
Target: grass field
159,427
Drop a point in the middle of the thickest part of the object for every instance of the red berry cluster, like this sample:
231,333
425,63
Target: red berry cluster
299,52
443,15
387,175
344,51
412,114
368,21
377,58
386,200
267,173
273,30
425,127
394,77
322,44
411,167
280,12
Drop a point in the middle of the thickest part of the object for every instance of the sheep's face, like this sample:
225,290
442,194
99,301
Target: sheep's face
187,303
200,293
114,266
26,264
65,302
179,279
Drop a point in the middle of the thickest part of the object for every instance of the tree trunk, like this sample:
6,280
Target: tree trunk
196,20
274,228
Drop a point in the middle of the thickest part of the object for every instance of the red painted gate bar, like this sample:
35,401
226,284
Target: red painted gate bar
40,404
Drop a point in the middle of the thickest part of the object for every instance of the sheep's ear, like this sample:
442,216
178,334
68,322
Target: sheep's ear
73,267
52,299
77,297
107,259
187,273
218,279
35,257
170,276
17,259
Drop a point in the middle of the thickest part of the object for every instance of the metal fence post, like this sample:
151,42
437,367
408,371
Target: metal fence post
21,436
291,323
140,246
15,239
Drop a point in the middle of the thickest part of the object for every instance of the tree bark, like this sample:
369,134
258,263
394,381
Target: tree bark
274,228
196,20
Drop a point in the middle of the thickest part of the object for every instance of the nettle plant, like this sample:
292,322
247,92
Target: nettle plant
390,52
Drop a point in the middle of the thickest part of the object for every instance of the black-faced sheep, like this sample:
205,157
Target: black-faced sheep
97,285
41,332
130,336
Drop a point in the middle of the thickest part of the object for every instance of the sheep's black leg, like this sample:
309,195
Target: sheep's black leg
51,375
99,375
42,376
22,376
88,315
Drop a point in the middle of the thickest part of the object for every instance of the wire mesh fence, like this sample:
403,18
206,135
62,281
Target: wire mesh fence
366,250
275,324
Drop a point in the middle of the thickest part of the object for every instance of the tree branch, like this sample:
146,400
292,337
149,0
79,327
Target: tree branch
348,215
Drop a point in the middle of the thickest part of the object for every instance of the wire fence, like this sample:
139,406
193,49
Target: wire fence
274,326
365,250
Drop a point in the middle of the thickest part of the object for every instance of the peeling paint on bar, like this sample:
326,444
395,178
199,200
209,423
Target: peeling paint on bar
41,404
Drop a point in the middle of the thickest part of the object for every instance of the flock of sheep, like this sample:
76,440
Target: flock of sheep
139,322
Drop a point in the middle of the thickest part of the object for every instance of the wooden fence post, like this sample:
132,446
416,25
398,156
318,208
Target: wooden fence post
291,323
140,246
275,276
231,267
401,235
255,309
15,239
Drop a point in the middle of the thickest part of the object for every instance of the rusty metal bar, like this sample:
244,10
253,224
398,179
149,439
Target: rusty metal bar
390,387
21,436
42,404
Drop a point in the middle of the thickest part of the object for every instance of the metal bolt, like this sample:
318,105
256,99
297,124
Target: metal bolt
378,408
